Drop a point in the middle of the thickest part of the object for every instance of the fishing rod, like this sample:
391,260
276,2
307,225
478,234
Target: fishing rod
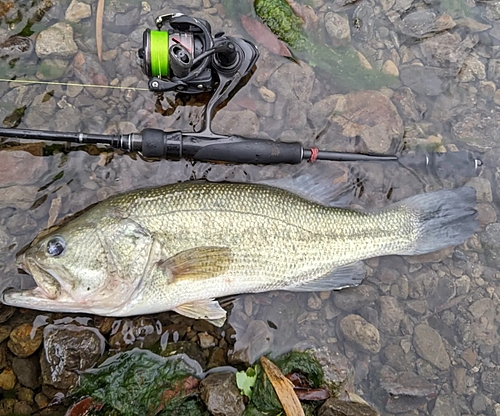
187,58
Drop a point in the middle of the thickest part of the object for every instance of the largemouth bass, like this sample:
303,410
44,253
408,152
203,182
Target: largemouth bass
181,246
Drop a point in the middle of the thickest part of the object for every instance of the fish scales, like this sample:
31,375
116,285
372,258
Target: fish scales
181,246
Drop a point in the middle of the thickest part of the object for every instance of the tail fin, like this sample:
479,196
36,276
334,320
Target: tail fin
442,218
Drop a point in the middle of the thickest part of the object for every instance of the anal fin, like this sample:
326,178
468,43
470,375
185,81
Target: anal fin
208,309
341,277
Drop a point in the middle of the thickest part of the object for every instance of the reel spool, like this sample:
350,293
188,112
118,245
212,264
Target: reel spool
187,58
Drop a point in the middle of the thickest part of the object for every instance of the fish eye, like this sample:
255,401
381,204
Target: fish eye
55,246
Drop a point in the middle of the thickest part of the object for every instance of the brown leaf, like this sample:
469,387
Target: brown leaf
312,394
83,407
306,13
283,388
98,27
262,34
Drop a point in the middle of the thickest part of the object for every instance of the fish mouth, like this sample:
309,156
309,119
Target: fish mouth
48,285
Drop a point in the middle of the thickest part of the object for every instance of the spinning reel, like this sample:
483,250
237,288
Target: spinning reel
188,58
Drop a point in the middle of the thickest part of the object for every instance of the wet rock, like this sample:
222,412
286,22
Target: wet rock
395,357
255,342
445,406
429,345
444,291
20,168
244,123
21,223
191,349
292,82
490,381
390,68
338,28
407,105
361,333
57,40
140,332
88,70
5,331
336,407
364,21
338,371
51,69
206,340
371,116
68,119
447,51
221,395
422,80
25,394
217,358
69,349
490,240
77,11
22,408
478,129
25,340
483,189
7,379
352,299
191,4
5,311
27,371
472,69
391,314
424,23
405,391
17,47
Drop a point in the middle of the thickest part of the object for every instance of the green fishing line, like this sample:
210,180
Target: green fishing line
159,53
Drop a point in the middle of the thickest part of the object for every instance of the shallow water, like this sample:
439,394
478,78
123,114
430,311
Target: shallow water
447,99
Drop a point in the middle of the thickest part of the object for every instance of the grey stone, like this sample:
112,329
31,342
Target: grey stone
445,406
371,116
352,299
490,240
292,81
51,69
69,349
27,371
483,189
338,28
361,333
395,357
447,51
391,314
244,123
20,197
221,395
21,223
57,40
424,23
422,80
407,105
407,390
77,11
429,345
335,407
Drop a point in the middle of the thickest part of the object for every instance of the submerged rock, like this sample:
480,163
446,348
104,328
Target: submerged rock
57,40
25,340
361,333
69,349
429,345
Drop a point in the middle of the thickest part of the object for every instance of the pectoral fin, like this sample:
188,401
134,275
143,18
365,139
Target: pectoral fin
198,263
339,278
208,309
